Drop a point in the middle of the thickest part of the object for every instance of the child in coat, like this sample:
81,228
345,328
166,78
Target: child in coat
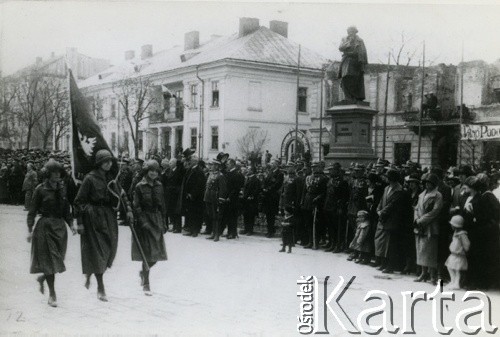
287,231
361,243
457,261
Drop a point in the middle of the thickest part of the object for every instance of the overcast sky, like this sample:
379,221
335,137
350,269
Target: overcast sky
107,29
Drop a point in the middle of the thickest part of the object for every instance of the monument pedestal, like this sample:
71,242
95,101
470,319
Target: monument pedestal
351,139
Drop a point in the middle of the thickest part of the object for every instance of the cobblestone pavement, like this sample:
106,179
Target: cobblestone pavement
241,287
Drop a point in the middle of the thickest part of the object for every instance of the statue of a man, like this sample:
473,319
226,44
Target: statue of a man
352,67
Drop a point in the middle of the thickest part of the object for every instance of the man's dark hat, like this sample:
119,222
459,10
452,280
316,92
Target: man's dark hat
187,153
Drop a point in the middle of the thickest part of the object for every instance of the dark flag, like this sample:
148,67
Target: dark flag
86,136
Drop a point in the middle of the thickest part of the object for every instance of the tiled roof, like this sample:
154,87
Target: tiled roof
262,46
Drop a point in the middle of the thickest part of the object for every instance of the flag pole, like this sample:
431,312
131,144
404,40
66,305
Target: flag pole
421,107
297,108
321,115
461,106
384,131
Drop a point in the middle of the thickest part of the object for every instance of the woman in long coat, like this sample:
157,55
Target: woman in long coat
97,223
426,222
149,206
49,238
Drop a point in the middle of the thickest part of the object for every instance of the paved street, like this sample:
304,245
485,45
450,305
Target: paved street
238,287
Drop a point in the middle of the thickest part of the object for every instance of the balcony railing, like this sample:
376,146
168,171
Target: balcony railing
432,116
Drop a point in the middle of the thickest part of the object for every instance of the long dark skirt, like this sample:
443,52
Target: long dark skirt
151,240
99,240
48,246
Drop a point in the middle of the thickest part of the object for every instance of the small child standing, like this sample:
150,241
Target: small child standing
361,243
287,236
457,261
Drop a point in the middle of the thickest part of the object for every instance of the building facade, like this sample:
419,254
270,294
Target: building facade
399,120
44,75
234,94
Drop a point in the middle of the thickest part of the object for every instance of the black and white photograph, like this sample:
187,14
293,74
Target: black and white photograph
249,168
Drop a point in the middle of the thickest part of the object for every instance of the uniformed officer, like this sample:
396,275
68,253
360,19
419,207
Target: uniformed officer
215,197
312,204
271,189
251,192
337,197
235,182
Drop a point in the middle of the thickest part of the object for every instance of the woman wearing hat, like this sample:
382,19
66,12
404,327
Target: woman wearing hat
149,206
49,238
426,223
95,210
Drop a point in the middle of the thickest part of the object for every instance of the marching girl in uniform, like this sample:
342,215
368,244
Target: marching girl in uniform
49,239
97,223
149,207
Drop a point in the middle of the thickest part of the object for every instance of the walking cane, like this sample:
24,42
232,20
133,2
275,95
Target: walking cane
314,227
346,244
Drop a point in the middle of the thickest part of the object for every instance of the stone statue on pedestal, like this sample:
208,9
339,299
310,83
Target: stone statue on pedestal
352,66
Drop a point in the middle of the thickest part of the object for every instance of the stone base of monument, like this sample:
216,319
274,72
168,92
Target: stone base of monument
351,139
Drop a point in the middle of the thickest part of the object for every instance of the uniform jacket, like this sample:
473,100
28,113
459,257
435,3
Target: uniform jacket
149,197
337,194
94,191
314,191
50,203
427,212
30,181
216,188
289,192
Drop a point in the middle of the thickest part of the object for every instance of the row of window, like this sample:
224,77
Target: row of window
215,95
174,103
214,139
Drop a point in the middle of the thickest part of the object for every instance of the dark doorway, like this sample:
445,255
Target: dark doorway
402,153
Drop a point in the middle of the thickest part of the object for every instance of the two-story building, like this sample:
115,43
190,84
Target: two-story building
208,96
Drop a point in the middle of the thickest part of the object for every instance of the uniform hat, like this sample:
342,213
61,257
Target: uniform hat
151,164
359,167
187,152
457,221
381,163
215,161
52,166
465,170
102,156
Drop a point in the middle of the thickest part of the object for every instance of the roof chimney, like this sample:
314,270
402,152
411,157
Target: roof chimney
191,40
129,55
146,51
247,26
279,27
